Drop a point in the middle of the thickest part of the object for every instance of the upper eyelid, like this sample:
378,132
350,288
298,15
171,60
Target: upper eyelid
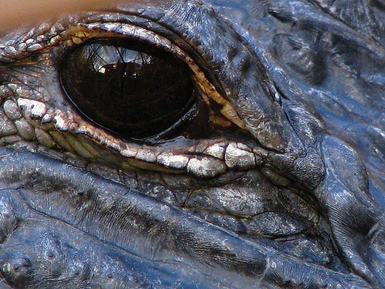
25,41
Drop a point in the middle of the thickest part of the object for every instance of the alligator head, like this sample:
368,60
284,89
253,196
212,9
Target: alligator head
195,144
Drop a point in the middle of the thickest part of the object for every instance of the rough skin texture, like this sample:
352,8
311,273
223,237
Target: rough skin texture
277,181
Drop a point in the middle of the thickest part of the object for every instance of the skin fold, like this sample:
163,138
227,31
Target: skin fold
272,178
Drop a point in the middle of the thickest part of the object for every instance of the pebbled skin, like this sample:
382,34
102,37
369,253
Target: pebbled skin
278,184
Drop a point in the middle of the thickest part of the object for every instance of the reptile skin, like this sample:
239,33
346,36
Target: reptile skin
278,182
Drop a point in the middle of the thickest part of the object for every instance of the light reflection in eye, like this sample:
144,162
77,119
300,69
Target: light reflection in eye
106,58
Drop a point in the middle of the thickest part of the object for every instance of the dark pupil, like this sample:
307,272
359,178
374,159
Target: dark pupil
127,87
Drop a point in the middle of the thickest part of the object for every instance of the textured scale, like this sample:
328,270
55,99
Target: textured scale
267,173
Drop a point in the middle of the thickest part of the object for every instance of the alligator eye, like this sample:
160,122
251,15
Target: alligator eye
130,88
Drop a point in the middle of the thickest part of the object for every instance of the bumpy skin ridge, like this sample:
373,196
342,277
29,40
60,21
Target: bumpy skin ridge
283,188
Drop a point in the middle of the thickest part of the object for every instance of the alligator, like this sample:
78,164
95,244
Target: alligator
195,144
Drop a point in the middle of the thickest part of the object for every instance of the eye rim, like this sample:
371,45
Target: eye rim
189,111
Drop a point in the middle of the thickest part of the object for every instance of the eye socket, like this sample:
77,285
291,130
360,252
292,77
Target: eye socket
129,88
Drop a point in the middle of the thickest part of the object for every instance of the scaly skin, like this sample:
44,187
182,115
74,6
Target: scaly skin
277,183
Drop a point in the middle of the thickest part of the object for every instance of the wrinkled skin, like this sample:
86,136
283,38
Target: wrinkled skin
278,183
